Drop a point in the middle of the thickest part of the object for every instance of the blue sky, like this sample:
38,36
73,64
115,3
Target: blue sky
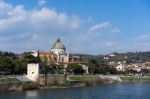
84,26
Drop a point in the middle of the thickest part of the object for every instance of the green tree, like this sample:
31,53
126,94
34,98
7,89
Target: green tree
145,71
45,68
75,69
92,68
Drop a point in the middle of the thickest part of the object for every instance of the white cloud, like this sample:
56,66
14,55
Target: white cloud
50,17
4,5
108,43
76,22
37,28
90,19
100,26
47,19
145,38
4,9
115,30
33,26
42,2
36,19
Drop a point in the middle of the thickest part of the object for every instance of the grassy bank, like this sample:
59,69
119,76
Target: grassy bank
84,78
88,80
134,78
8,80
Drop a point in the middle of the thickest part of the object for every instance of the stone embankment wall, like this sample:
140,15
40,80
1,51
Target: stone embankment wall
85,80
17,86
60,80
63,80
89,80
52,80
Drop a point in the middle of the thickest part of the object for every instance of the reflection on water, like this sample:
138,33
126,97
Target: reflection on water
32,94
110,91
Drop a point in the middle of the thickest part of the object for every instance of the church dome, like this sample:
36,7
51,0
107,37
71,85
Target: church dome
58,45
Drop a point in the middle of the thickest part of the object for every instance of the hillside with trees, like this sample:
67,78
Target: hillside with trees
11,63
130,57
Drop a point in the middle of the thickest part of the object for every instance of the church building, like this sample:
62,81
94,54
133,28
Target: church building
58,55
59,49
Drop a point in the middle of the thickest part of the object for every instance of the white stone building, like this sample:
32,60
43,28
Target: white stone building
33,71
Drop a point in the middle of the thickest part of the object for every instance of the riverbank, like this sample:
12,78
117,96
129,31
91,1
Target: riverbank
89,80
84,80
63,81
135,78
17,86
111,91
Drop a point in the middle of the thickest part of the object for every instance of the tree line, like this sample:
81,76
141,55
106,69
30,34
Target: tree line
11,63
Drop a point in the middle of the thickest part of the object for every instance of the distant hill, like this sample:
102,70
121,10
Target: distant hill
129,57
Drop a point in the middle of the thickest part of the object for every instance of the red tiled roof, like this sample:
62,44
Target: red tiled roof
71,62
47,53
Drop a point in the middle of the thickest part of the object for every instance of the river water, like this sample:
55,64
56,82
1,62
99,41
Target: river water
109,91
